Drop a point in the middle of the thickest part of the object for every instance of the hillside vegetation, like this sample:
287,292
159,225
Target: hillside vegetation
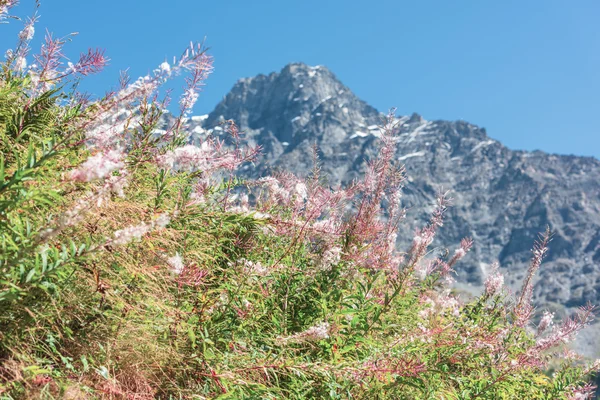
136,266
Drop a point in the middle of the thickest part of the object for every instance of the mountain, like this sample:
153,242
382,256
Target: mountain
503,197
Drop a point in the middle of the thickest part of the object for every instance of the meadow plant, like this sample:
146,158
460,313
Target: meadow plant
135,265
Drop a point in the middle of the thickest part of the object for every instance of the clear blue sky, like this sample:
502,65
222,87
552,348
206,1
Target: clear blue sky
528,71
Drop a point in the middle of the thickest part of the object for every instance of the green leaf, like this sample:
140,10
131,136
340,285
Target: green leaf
30,276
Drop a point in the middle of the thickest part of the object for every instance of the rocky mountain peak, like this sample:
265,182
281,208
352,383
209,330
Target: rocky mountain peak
274,100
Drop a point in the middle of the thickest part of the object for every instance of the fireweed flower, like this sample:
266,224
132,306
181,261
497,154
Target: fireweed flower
126,235
98,166
494,282
546,322
136,232
523,308
161,221
20,63
329,258
188,100
165,67
208,158
585,392
188,158
3,12
567,330
301,190
315,333
253,268
176,264
27,33
107,129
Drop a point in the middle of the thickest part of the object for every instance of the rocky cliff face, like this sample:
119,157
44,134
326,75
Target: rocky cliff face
503,197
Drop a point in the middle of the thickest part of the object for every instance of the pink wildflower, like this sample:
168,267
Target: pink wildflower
314,333
165,67
254,268
584,392
126,235
98,166
189,98
188,158
136,232
546,322
176,264
567,331
465,246
494,282
329,258
28,31
161,221
20,63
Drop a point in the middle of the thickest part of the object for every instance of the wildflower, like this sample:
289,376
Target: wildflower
136,232
241,206
6,5
546,322
391,242
71,68
329,258
568,330
3,12
523,307
188,100
20,63
326,225
494,282
584,392
161,221
417,240
75,214
165,67
117,184
395,201
188,158
301,190
176,264
254,268
35,77
259,215
27,33
429,307
98,166
313,334
448,303
422,270
460,252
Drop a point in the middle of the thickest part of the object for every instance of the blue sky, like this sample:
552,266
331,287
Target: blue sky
528,71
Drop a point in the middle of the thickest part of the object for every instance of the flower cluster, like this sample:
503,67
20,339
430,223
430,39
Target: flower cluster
5,6
136,232
252,268
98,166
176,264
329,258
315,333
494,282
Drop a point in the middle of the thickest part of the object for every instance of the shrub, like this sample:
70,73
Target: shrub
134,265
